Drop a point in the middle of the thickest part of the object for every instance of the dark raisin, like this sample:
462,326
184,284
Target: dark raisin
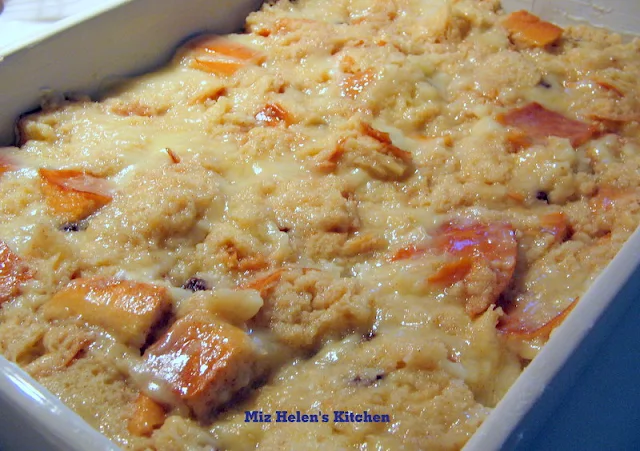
284,229
73,227
195,284
369,335
542,195
368,380
545,84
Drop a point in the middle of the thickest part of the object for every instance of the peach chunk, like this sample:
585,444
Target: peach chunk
609,197
370,149
218,67
519,321
481,255
203,360
491,245
7,163
528,29
538,122
452,272
556,224
147,416
73,195
126,309
13,273
221,56
384,138
265,284
353,84
221,46
272,114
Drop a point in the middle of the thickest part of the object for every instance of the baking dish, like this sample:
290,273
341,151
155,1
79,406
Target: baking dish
113,54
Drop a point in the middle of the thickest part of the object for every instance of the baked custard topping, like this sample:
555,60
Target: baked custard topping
349,227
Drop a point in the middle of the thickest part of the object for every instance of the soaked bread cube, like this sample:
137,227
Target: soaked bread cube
305,308
128,310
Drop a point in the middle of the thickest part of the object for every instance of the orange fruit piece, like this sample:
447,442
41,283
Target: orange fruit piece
272,114
452,272
408,252
492,244
556,224
289,24
354,84
518,323
531,30
6,164
147,416
126,309
218,67
538,122
203,360
222,56
13,273
221,46
475,246
609,197
385,139
73,195
518,140
265,284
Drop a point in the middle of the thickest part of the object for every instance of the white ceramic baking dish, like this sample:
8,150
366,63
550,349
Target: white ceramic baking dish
86,53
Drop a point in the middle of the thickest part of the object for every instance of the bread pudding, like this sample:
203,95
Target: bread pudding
351,226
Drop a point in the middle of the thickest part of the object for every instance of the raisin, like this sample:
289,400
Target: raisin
368,381
545,84
195,284
73,227
369,335
542,195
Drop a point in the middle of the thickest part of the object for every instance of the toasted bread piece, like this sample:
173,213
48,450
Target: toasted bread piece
126,309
